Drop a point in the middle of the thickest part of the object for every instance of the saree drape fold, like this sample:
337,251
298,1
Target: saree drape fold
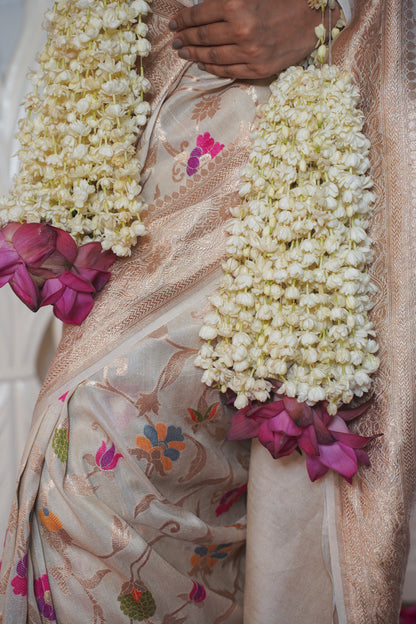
130,502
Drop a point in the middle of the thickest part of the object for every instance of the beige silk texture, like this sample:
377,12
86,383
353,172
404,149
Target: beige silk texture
308,542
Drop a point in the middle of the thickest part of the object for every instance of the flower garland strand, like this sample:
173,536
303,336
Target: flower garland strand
78,170
291,316
78,167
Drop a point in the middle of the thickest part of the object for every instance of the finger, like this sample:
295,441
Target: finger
205,35
214,55
241,71
207,12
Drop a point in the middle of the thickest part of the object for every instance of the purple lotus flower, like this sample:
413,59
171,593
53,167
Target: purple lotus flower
285,425
107,458
43,266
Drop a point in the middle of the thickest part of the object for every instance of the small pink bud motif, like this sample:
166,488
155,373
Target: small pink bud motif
197,593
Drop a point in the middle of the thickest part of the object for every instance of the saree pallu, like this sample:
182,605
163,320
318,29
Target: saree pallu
130,501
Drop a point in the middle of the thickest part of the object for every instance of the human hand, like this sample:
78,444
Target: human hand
247,38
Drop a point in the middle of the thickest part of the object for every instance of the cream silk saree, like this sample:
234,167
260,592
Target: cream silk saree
130,503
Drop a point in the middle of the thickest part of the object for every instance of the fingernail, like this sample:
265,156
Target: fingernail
184,54
172,25
201,66
177,44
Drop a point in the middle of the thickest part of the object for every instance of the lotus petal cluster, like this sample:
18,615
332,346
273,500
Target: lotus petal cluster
293,303
285,425
78,169
44,266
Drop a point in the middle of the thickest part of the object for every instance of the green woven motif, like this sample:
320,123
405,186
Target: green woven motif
138,605
60,444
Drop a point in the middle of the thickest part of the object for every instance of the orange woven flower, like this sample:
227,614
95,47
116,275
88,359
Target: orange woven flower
49,520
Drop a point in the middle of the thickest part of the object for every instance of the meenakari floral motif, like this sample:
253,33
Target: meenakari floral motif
19,581
205,144
50,521
107,458
138,604
197,593
205,557
44,598
160,445
199,418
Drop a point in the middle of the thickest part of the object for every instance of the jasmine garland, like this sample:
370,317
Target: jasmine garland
78,169
293,302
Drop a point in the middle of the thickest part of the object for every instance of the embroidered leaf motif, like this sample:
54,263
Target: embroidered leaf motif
79,485
60,575
144,504
95,580
198,462
207,107
197,417
229,498
120,535
175,366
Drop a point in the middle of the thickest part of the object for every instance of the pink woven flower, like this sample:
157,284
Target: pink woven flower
107,458
285,425
19,582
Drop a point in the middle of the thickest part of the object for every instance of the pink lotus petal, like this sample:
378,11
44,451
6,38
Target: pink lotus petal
350,414
352,440
52,290
315,468
265,410
7,233
66,245
283,423
25,288
301,413
308,442
73,307
362,457
34,242
340,458
278,444
323,434
9,261
338,424
92,256
241,427
76,282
